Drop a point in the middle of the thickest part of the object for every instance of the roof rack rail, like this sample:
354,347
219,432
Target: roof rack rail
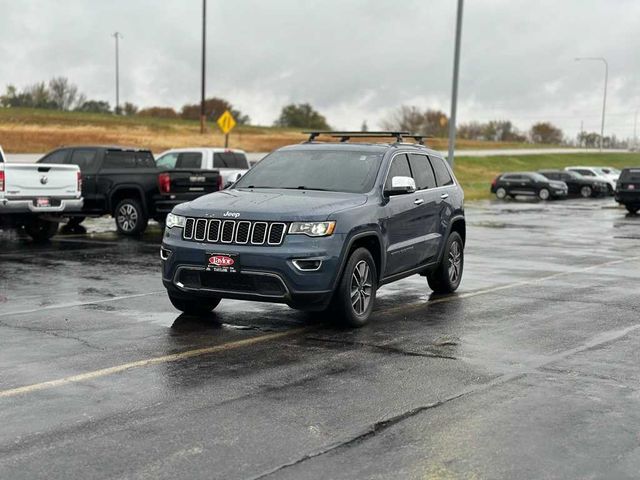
345,136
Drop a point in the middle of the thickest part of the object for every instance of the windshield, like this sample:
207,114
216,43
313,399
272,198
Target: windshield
337,171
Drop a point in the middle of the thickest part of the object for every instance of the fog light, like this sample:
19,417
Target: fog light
308,265
165,253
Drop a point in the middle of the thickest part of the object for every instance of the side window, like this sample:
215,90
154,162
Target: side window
85,158
167,161
145,160
399,168
586,173
443,177
58,157
422,172
189,160
118,159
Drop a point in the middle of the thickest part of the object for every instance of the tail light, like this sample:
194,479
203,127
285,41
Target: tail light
1,180
495,181
79,180
164,182
220,182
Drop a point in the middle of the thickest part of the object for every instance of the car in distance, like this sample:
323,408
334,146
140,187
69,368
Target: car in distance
578,185
597,173
125,183
527,183
34,197
320,226
231,163
628,189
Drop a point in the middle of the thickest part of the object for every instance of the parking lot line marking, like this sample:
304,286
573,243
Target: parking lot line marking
250,341
80,304
12,392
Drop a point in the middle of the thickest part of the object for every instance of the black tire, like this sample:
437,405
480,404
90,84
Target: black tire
501,193
75,221
632,209
194,306
544,194
353,300
586,191
41,230
130,217
442,280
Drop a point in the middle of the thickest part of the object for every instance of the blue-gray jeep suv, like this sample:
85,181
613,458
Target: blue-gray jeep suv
320,226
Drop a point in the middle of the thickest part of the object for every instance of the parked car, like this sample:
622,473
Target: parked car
578,185
125,183
628,189
527,183
598,174
319,226
34,197
231,163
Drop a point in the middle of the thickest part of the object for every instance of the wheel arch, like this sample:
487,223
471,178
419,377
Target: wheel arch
127,191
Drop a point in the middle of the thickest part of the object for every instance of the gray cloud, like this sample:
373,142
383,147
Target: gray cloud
352,59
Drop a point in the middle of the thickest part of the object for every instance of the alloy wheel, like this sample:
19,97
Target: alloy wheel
361,287
455,262
127,217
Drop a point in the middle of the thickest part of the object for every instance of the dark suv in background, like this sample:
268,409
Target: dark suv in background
527,183
320,226
578,184
628,189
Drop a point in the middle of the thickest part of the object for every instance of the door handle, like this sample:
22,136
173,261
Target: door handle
418,201
444,195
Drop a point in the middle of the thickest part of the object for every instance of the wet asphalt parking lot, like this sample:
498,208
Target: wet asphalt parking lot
532,370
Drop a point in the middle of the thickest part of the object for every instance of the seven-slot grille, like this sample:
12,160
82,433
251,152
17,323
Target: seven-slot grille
239,232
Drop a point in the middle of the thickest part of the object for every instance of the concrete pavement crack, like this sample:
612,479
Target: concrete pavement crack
50,333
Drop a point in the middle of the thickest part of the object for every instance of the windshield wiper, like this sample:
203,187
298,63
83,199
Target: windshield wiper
302,187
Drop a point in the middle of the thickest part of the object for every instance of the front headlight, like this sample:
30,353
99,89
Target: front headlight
312,229
175,221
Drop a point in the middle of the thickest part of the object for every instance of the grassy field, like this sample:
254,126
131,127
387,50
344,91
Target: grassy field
476,173
24,130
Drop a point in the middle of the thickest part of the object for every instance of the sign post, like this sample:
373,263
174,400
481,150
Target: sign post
226,122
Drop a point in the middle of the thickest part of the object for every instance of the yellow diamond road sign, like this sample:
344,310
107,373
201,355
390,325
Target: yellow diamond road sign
226,122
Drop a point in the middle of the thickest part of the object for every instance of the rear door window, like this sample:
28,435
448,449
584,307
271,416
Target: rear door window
124,159
167,161
85,158
422,172
443,177
230,160
399,168
191,160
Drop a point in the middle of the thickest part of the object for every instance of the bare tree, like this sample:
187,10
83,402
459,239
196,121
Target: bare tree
63,93
406,118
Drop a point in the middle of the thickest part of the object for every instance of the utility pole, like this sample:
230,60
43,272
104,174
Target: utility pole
581,133
635,129
117,36
604,99
454,88
204,48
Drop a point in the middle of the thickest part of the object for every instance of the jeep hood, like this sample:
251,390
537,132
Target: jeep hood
276,204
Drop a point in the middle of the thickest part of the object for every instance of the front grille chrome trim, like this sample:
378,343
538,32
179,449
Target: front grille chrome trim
200,222
224,235
264,235
238,226
234,232
284,232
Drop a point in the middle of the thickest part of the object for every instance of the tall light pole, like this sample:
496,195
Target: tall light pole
604,99
117,36
204,47
635,129
454,88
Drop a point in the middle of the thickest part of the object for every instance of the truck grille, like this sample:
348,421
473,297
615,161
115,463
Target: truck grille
238,232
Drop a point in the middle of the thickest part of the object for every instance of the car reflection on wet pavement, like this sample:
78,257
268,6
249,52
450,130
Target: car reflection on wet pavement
531,370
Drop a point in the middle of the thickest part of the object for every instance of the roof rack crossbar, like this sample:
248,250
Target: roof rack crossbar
346,135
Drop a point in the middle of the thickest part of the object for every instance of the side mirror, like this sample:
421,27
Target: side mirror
401,186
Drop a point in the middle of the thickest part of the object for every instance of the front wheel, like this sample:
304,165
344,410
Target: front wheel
131,218
356,293
544,194
447,276
194,306
586,191
41,230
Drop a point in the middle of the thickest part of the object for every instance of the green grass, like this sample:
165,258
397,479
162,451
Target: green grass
476,173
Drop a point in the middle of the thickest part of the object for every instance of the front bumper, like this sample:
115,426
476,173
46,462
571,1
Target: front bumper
267,273
27,205
559,192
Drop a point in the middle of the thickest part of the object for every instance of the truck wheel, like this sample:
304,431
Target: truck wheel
501,193
356,293
41,230
544,194
632,209
194,306
586,192
447,276
131,218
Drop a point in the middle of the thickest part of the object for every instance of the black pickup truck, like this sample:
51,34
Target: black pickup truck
127,184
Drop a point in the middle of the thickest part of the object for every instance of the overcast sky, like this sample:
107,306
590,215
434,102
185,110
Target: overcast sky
353,60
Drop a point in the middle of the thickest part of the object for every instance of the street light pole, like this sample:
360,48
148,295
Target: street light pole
117,36
635,126
454,88
204,47
604,99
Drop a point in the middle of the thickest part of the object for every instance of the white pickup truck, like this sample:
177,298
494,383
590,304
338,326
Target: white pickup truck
35,196
231,163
